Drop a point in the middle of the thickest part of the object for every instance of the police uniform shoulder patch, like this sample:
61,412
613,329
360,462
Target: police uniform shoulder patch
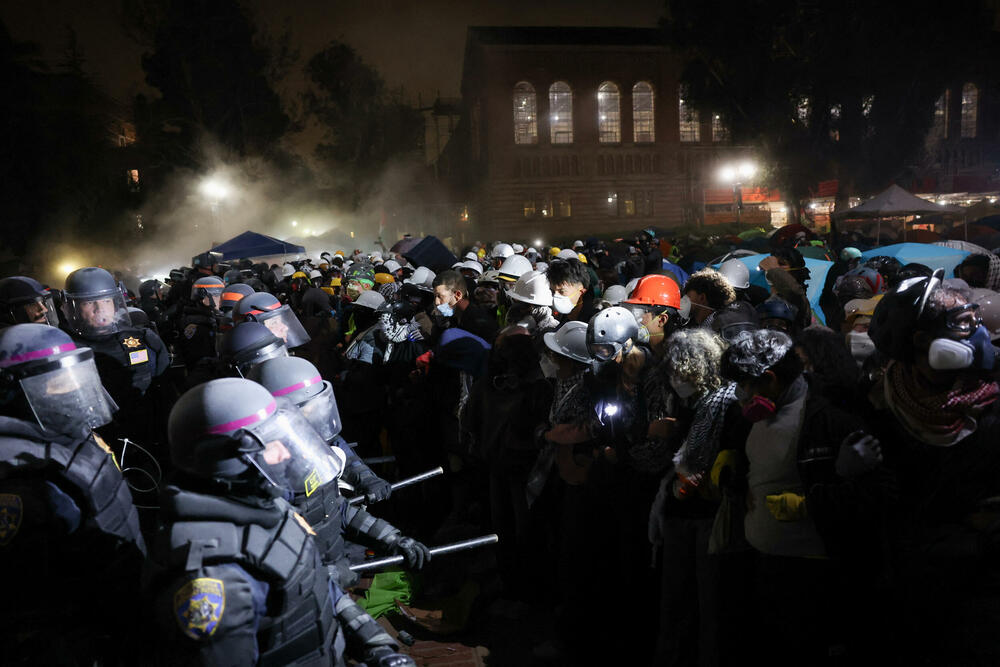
199,605
190,330
11,511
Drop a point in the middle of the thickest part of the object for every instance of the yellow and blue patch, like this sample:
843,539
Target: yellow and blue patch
198,607
11,511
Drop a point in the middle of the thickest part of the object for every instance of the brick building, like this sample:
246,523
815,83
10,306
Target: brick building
577,131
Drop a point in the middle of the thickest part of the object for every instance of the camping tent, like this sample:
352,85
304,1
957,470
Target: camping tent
252,244
895,202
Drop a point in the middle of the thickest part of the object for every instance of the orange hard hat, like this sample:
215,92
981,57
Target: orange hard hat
655,291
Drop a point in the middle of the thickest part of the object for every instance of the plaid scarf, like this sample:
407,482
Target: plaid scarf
701,445
940,418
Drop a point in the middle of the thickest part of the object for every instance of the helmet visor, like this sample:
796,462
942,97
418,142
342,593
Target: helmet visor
322,412
602,351
247,360
283,324
96,315
67,394
40,310
311,463
213,292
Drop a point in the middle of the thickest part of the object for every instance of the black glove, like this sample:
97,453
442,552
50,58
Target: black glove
374,487
383,656
416,554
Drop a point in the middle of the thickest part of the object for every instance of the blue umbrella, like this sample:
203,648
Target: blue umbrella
818,269
681,274
934,256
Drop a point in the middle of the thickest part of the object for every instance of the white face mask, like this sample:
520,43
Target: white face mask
861,345
549,367
562,304
685,309
683,389
949,355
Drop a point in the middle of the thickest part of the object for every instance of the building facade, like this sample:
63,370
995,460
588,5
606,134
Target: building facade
578,131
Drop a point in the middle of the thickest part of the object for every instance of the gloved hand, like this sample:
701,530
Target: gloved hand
374,487
416,553
787,506
722,469
859,453
383,656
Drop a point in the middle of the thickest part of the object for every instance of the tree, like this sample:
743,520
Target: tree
828,89
364,125
212,76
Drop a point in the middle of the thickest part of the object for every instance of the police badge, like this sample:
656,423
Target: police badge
11,512
198,607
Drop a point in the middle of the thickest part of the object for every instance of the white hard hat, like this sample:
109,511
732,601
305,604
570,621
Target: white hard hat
502,250
517,248
422,277
577,244
567,254
736,273
630,285
569,340
514,267
471,265
533,288
370,299
391,265
491,276
541,266
615,294
287,270
473,256
315,274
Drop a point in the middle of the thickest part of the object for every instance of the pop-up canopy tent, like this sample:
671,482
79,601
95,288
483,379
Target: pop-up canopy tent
895,202
251,244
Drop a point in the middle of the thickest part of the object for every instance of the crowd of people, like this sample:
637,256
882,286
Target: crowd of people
683,467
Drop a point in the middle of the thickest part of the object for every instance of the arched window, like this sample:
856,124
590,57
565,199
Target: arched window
690,130
525,119
970,110
561,110
643,114
609,117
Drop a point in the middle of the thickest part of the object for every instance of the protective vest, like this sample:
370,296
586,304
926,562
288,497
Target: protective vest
273,545
126,361
90,468
323,510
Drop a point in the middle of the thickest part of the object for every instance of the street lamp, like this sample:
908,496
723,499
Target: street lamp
736,175
214,190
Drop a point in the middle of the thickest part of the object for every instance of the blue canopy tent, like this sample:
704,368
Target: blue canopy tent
929,254
817,278
252,244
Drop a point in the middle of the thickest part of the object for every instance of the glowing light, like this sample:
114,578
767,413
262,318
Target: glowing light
748,169
727,174
66,268
215,189
295,223
352,235
610,199
610,410
993,200
538,243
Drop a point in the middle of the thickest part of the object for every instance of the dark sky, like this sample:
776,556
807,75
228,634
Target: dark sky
414,43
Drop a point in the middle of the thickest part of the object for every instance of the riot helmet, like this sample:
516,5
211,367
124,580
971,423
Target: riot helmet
235,432
250,343
94,305
265,308
58,379
208,287
232,276
233,294
24,300
299,381
611,331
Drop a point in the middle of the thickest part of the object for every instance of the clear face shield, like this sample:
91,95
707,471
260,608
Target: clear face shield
41,310
213,293
283,324
322,412
295,457
246,361
96,315
66,393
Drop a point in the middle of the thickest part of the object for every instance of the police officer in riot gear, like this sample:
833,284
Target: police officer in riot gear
298,381
248,344
24,300
200,322
128,359
69,533
234,575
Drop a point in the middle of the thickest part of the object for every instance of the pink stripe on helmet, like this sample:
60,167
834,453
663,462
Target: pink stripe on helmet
298,385
37,354
258,416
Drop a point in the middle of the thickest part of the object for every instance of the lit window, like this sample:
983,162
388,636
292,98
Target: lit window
970,108
612,203
688,118
544,206
941,114
529,207
720,131
561,109
835,122
643,113
564,209
609,123
628,204
525,120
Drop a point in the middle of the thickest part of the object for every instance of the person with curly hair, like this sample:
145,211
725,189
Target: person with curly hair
708,292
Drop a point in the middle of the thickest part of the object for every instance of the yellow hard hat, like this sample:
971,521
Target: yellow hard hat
384,278
299,274
339,252
335,282
583,258
482,252
553,251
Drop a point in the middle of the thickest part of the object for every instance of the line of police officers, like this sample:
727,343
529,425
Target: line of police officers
246,563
